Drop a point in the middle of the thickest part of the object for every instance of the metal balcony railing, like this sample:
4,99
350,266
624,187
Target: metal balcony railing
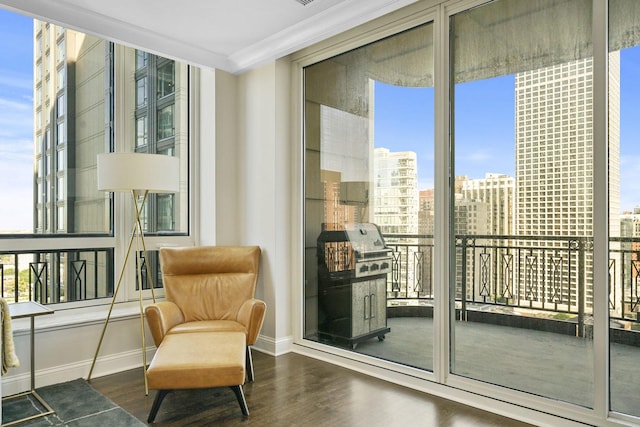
544,274
541,273
56,276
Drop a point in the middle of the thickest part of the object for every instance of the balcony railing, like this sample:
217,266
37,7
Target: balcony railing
56,276
551,275
67,275
545,275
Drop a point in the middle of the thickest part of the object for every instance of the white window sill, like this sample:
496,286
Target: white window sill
70,317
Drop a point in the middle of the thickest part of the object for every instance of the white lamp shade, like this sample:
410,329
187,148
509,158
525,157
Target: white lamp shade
156,173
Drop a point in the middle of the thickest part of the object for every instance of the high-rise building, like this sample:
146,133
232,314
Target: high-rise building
426,224
71,121
426,212
396,199
396,206
78,78
630,225
336,213
498,192
472,218
554,155
554,148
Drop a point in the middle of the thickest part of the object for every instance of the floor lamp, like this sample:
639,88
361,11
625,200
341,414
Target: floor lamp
138,174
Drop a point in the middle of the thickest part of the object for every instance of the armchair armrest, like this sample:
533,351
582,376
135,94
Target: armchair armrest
251,316
162,316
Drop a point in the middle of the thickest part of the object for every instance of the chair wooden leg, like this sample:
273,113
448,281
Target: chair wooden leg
237,389
156,404
249,364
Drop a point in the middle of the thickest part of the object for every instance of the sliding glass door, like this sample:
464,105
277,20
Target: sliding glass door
369,199
522,203
539,306
624,198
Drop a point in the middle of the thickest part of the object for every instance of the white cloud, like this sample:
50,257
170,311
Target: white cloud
16,117
629,182
16,193
425,184
16,163
16,126
23,106
475,156
20,82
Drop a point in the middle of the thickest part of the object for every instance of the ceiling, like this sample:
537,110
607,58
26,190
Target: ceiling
232,35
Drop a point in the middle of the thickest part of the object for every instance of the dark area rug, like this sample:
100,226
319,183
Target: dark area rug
76,403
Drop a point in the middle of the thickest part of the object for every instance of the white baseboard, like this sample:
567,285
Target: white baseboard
272,346
104,366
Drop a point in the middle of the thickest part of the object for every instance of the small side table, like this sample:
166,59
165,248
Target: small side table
21,310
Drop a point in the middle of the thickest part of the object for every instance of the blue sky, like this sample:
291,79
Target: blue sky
629,128
16,121
486,140
404,122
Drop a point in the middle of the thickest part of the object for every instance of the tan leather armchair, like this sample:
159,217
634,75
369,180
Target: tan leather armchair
209,289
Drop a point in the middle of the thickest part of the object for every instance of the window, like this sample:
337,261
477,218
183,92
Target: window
60,106
165,122
61,53
53,192
61,134
156,126
141,131
507,266
362,180
141,92
166,81
141,59
62,72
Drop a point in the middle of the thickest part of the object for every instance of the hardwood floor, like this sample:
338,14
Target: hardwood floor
294,390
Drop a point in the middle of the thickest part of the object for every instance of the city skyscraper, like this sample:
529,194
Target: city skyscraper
396,207
426,213
78,79
396,191
554,148
71,116
498,192
554,153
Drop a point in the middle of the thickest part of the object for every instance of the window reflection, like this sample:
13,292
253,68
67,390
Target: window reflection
165,122
166,84
368,120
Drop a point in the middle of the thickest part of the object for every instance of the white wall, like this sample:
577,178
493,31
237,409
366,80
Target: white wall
205,162
244,170
264,199
245,198
225,164
65,352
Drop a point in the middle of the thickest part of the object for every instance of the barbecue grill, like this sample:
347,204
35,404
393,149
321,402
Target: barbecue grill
353,263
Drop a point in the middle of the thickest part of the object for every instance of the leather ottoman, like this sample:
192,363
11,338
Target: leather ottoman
198,360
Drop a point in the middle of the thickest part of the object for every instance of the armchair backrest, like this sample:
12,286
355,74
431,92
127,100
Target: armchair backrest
210,282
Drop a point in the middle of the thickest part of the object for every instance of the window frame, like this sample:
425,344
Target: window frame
121,208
